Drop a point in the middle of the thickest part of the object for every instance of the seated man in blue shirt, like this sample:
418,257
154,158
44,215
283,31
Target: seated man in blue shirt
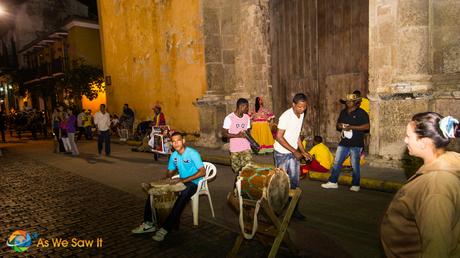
187,161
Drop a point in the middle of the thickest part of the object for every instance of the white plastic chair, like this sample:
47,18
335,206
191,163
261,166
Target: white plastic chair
203,188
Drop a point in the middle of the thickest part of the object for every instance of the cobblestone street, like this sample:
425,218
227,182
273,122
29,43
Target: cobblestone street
42,199
90,197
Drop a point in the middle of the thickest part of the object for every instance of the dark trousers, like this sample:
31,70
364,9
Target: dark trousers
81,131
57,137
104,137
88,133
148,216
174,217
2,131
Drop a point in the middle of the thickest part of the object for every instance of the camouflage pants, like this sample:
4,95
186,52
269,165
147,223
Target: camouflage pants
240,159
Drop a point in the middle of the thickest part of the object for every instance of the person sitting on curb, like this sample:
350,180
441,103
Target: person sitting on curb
321,158
187,162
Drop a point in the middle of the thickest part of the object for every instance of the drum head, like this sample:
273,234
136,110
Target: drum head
278,191
160,187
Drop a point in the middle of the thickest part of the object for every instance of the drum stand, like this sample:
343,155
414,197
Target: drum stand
274,231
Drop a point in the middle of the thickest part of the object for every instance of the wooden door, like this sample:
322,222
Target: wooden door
320,48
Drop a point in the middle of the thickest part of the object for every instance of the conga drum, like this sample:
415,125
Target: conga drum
163,196
269,183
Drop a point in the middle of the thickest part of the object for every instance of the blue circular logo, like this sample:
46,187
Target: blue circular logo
19,241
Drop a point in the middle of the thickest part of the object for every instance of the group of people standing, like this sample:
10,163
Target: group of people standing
28,119
64,129
288,149
65,124
353,122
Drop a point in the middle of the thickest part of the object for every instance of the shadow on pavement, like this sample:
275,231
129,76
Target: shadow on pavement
94,158
134,160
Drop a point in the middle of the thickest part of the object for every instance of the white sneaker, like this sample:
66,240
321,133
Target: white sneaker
355,188
145,227
330,185
160,235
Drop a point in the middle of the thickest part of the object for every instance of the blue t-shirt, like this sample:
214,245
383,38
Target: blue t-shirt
187,164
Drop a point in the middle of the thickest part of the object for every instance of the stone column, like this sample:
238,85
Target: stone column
218,29
445,45
252,62
399,71
237,61
413,57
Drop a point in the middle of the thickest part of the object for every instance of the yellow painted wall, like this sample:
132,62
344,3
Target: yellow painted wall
154,52
85,43
94,104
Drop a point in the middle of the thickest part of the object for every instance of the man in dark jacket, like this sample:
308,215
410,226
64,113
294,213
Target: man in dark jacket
353,122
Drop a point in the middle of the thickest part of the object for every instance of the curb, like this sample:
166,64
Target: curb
368,183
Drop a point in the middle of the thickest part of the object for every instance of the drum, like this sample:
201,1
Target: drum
163,196
269,183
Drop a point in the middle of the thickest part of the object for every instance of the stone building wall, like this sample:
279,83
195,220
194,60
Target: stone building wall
236,59
413,67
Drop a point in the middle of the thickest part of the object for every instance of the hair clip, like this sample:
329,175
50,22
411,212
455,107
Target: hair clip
447,126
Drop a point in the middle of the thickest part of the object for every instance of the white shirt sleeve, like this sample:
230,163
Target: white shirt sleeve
227,122
283,122
249,121
96,119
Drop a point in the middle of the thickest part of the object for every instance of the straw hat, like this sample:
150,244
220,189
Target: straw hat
350,97
156,106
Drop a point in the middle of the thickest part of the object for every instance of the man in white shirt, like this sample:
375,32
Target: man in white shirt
102,122
288,145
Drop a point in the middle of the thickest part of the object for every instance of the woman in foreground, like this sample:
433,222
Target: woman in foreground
423,220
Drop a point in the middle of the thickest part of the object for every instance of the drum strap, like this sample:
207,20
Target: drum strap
254,225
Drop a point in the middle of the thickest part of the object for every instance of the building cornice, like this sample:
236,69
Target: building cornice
83,24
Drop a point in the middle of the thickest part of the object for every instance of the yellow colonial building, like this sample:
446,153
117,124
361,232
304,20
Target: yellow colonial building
153,53
45,60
